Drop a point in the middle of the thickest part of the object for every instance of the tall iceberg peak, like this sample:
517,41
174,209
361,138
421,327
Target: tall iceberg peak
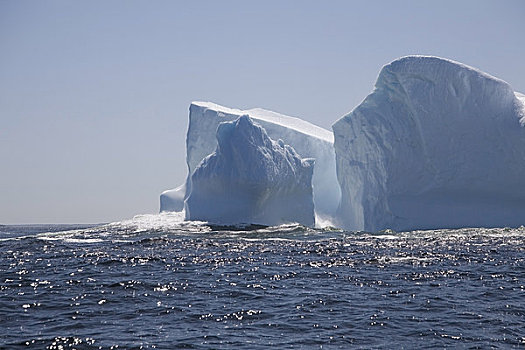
308,140
437,144
251,179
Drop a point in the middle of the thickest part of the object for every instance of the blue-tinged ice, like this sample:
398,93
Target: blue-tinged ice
308,140
251,179
437,144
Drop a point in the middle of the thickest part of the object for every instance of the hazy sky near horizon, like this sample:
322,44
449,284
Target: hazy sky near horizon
94,95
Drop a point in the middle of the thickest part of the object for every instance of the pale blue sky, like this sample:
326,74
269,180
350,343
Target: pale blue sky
94,95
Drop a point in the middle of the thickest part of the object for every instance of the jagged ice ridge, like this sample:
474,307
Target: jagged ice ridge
251,179
308,140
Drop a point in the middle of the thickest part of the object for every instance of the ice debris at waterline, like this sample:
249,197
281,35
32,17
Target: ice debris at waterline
308,140
437,144
251,179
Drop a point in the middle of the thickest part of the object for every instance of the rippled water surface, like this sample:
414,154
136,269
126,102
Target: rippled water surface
157,282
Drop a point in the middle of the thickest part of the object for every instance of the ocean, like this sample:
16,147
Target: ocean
156,282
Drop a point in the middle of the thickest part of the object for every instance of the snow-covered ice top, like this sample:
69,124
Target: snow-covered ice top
437,144
294,123
251,179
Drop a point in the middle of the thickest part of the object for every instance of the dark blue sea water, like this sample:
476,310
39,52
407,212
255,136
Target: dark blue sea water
155,282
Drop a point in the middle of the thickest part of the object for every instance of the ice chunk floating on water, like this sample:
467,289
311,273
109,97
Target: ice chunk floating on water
251,179
308,140
437,144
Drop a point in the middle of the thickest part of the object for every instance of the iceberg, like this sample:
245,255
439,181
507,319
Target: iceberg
437,144
308,140
251,179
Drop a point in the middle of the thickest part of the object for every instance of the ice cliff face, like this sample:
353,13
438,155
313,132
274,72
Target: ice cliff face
251,179
308,140
437,144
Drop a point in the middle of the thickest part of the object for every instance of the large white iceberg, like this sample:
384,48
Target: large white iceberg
437,144
251,179
308,140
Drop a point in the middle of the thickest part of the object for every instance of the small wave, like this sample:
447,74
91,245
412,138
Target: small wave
73,240
173,223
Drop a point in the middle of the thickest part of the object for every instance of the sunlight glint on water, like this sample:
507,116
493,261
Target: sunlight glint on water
158,282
